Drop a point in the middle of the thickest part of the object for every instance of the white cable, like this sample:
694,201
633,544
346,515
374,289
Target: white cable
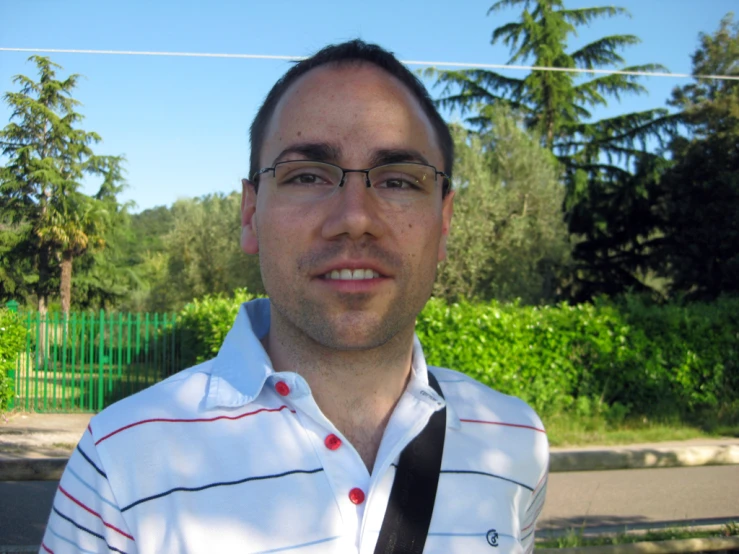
140,53
407,62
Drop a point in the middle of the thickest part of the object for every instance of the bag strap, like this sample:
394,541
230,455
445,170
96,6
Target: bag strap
411,503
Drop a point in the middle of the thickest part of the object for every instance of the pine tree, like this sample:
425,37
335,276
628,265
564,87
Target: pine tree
606,162
48,155
699,195
556,104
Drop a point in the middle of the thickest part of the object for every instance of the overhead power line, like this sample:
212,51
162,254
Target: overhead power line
407,62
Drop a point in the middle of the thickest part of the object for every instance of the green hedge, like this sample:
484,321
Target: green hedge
205,322
12,343
615,359
630,357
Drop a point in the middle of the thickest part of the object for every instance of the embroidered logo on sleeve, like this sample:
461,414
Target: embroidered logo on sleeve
492,537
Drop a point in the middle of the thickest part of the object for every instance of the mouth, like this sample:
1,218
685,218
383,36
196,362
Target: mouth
346,274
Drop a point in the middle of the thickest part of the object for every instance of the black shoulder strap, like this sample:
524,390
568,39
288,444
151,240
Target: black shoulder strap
412,497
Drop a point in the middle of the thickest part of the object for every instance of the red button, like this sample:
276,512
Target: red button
332,442
356,496
282,388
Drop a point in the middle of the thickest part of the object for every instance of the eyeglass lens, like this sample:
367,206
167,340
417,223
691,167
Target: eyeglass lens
400,182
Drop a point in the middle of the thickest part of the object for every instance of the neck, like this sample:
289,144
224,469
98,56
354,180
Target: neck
357,390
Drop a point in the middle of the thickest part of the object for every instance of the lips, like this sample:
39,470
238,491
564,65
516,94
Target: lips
347,274
351,270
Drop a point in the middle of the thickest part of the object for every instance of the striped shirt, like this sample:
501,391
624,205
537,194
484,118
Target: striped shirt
232,456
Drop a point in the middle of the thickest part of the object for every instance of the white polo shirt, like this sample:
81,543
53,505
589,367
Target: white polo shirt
231,456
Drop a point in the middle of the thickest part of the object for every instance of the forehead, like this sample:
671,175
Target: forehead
357,107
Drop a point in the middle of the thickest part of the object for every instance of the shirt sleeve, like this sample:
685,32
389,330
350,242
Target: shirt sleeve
534,508
85,516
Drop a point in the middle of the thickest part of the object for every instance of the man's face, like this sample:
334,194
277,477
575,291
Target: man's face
351,116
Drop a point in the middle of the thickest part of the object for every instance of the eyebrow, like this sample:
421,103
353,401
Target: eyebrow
318,151
396,155
328,152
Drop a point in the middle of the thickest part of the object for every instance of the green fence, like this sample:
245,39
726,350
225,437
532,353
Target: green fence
86,361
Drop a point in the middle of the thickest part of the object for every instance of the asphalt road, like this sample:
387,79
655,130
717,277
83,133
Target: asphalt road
652,497
644,497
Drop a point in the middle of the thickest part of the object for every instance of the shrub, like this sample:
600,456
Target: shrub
608,360
611,359
12,342
205,323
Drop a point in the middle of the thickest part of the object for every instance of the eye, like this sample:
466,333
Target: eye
306,179
402,178
398,183
305,174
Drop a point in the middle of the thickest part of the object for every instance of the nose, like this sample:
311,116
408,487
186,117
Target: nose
352,210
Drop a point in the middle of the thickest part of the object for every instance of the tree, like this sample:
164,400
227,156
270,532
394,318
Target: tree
48,155
554,103
699,195
508,240
604,161
198,255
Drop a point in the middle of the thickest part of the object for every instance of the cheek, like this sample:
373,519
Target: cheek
282,231
420,239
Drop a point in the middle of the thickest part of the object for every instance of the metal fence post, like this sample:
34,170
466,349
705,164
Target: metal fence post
14,374
66,355
101,360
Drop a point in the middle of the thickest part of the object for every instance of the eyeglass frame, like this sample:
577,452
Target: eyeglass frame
444,187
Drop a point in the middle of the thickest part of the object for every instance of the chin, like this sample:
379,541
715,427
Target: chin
354,332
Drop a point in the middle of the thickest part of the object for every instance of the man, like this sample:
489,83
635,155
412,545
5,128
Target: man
290,439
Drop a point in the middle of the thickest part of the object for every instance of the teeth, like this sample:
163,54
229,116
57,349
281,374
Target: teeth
352,275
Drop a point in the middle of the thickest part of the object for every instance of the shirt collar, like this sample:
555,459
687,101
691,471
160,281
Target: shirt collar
242,365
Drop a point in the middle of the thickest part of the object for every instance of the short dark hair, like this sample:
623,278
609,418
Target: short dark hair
353,51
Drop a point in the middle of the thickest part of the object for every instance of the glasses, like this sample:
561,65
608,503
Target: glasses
398,184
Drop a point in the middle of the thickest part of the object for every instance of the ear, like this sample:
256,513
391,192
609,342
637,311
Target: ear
249,243
447,210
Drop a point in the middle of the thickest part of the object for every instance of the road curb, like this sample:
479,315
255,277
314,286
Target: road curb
50,469
643,458
32,469
658,547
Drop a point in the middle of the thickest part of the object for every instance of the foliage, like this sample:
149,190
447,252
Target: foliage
48,156
199,255
576,539
557,104
605,161
508,239
12,342
697,199
613,361
205,323
632,358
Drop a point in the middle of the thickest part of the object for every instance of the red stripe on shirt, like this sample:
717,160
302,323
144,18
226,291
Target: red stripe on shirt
196,420
93,512
536,516
539,483
46,548
504,424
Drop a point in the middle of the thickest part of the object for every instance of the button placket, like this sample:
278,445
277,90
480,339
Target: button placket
343,467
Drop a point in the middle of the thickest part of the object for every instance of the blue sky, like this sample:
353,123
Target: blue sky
182,123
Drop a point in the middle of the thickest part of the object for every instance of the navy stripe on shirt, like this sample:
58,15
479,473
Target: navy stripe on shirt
220,484
89,461
86,530
471,472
